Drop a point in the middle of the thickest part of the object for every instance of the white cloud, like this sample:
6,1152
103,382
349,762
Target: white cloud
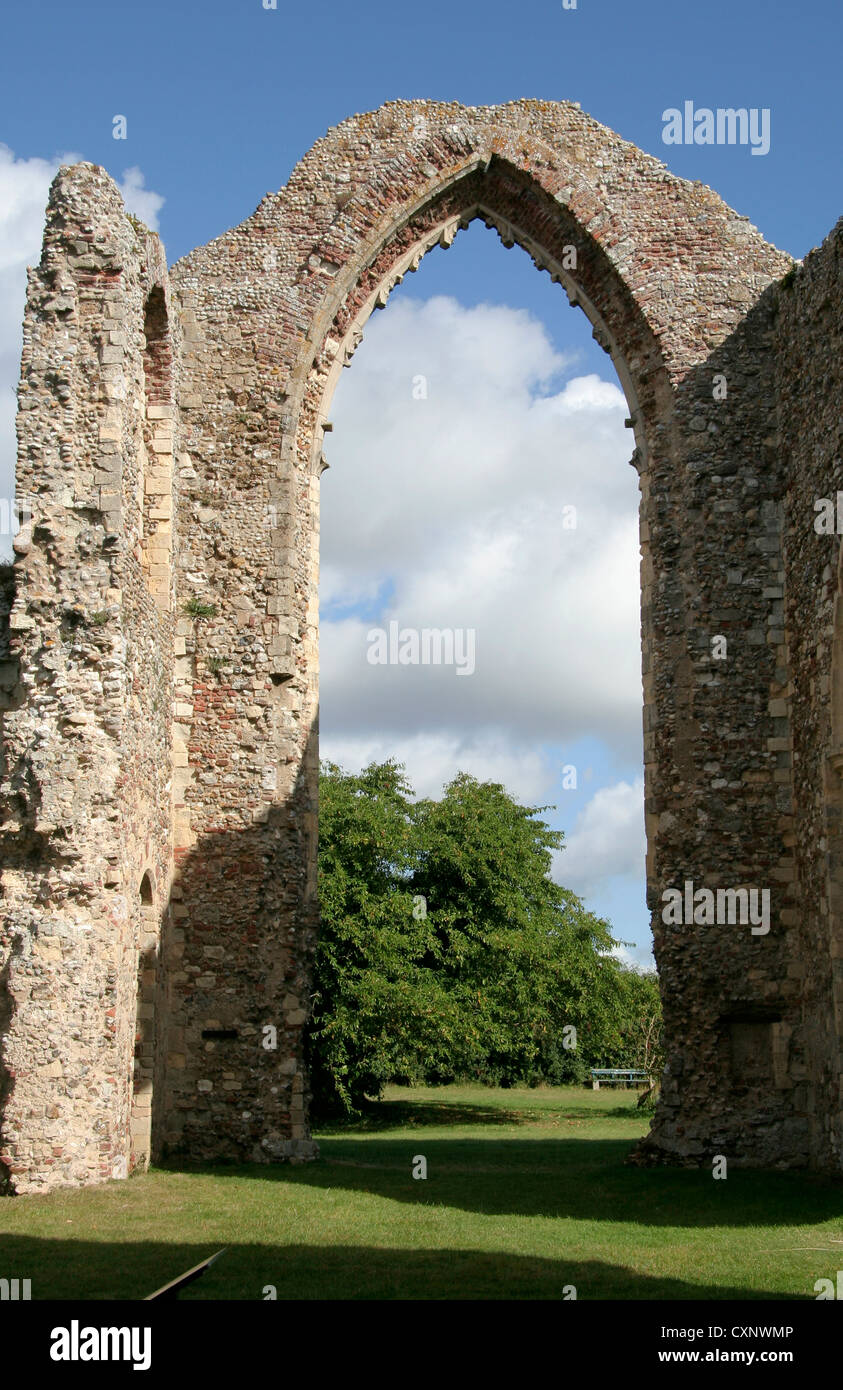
607,840
24,188
458,501
637,957
139,200
432,759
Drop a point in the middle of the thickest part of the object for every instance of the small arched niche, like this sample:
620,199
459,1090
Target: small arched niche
145,1025
146,893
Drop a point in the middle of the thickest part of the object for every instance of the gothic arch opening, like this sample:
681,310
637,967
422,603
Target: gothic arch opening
398,472
513,203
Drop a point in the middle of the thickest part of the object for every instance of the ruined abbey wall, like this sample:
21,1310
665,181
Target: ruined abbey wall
86,773
809,388
160,785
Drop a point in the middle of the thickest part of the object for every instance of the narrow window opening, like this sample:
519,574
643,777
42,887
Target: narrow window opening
144,1042
155,481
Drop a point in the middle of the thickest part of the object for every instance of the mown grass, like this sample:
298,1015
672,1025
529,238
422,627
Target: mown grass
526,1194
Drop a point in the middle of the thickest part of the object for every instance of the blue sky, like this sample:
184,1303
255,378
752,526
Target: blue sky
222,99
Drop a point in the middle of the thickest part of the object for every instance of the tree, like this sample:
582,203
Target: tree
519,954
376,1011
447,950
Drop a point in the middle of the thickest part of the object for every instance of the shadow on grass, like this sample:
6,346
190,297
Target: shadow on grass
581,1179
401,1114
383,1115
84,1270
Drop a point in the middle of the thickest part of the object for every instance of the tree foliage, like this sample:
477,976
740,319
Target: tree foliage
448,951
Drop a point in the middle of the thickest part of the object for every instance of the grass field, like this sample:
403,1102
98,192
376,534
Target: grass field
526,1195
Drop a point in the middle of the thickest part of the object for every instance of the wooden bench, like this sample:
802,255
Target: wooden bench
618,1076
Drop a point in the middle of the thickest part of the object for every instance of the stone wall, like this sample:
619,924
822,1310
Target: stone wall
731,996
809,382
85,793
173,431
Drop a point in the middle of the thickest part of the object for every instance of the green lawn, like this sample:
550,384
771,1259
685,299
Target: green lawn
526,1194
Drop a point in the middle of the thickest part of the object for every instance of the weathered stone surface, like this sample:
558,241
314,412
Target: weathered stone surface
160,726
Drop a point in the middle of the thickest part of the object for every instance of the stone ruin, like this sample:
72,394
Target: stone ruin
159,676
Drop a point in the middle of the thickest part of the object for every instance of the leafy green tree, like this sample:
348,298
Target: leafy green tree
447,950
642,1022
376,1009
519,954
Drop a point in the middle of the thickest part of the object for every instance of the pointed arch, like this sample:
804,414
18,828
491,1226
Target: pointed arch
670,278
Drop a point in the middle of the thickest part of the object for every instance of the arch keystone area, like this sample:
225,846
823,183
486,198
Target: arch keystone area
160,691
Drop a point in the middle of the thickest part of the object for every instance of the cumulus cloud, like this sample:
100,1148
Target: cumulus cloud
458,508
140,201
607,839
432,759
24,188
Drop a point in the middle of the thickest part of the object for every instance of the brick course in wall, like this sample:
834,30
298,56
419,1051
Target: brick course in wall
164,740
